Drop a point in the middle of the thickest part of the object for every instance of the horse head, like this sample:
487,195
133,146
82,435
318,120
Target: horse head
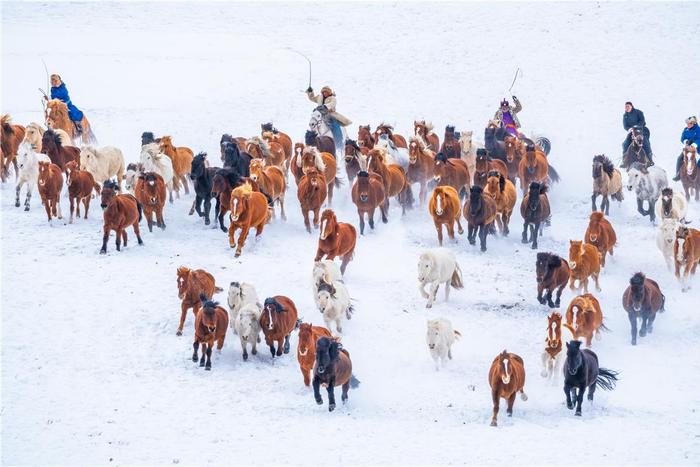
594,229
208,312
183,275
110,189
325,293
637,291
553,339
667,201
363,186
475,200
199,165
271,308
71,168
239,201
574,357
256,169
305,338
533,196
545,265
505,368
327,353
51,141
329,224
575,253
531,158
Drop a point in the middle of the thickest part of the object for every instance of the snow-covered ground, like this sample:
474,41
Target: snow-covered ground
92,372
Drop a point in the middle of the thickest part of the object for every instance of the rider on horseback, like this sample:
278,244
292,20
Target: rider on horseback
326,105
631,119
506,116
60,91
690,135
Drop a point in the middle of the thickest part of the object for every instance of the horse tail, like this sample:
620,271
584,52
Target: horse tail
663,303
606,379
544,143
218,290
604,327
354,382
92,139
554,175
456,281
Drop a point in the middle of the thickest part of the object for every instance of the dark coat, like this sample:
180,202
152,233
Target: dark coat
633,118
61,93
691,135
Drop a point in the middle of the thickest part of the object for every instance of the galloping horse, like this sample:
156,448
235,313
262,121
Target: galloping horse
607,182
588,319
480,212
506,378
642,299
270,133
386,129
319,125
57,117
421,162
533,168
503,193
393,177
336,239
450,146
365,139
452,172
514,149
368,195
600,233
535,209
10,138
425,132
635,152
445,209
277,321
581,371
484,165
333,367
311,192
306,348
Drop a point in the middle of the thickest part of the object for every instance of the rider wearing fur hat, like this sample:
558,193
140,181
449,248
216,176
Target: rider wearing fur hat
326,105
690,135
507,117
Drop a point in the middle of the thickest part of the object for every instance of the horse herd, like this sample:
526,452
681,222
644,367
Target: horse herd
458,178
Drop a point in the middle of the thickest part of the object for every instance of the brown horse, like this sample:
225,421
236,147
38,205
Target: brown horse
119,212
311,192
306,348
425,132
249,209
324,162
386,129
10,138
353,152
515,150
393,177
271,133
503,193
506,378
80,185
210,325
445,208
421,164
151,193
59,154
451,172
450,146
584,261
368,195
689,172
336,239
191,284
332,368
642,299
484,164
480,212
686,251
278,320
181,158
588,319
271,181
600,233
535,209
50,182
607,182
552,274
533,168
269,151
222,184
57,117
365,139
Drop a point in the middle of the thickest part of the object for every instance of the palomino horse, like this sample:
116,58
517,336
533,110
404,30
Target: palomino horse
191,283
452,172
506,378
210,325
333,367
450,146
182,160
386,129
480,212
277,321
33,134
600,233
484,165
445,208
271,181
368,195
581,371
686,251
468,148
365,139
393,177
306,348
425,131
584,261
552,274
10,138
249,209
421,163
535,210
311,192
502,191
588,318
689,172
336,239
607,182
352,158
57,117
642,299
120,211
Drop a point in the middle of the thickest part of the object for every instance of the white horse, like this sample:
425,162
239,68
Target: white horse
440,337
396,155
247,326
468,149
131,175
155,161
673,205
324,271
239,295
334,303
28,167
438,266
666,238
319,124
103,163
647,182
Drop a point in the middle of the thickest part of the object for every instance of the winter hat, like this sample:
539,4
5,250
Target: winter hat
692,120
328,88
504,103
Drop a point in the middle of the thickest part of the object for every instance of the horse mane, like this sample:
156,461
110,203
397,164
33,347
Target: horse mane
440,157
318,158
638,279
667,191
261,143
268,127
54,136
6,121
450,129
481,152
111,184
353,143
310,137
422,145
608,166
530,148
326,287
271,301
386,126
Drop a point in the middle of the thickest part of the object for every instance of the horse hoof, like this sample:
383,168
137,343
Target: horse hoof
194,359
255,352
493,423
569,406
103,252
207,368
17,204
245,356
534,246
319,401
201,363
634,341
331,407
578,413
178,333
238,253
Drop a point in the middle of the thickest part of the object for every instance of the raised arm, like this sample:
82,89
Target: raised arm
518,105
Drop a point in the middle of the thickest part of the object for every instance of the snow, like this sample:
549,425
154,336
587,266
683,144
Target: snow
92,372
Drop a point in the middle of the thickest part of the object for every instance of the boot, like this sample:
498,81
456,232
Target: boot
79,127
679,163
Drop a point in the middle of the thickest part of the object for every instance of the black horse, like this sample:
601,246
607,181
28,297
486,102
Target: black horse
322,143
333,368
581,371
535,209
148,138
494,142
235,159
202,177
479,210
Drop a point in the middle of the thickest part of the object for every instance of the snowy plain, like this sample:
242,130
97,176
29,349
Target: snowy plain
92,372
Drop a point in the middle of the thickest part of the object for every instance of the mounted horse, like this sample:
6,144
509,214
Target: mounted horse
506,378
424,131
320,126
581,371
689,172
607,182
642,299
421,164
635,152
386,129
57,117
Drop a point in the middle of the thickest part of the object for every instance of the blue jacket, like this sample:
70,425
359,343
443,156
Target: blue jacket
692,135
61,93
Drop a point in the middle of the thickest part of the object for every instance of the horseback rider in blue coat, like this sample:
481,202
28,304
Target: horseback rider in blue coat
60,91
690,135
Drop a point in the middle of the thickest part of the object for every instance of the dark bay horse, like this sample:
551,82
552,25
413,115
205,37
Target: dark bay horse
322,143
333,368
642,299
581,371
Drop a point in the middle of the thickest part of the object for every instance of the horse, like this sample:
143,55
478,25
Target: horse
502,191
246,323
588,318
424,131
249,209
324,162
386,129
191,283
269,132
28,173
131,175
365,139
689,172
181,158
271,180
421,162
438,266
320,124
306,348
334,303
278,320
533,168
232,157
440,337
514,149
393,177
147,137
673,205
600,233
119,212
450,145
452,172
150,192
210,325
666,239
480,212
484,165
269,151
222,183
155,161
57,118
201,175
584,261
32,135
368,194
635,152
238,141
552,273
642,299
50,182
581,371
80,184
59,154
686,251
336,239
103,163
607,182
353,152
324,271
647,182
468,148
445,209
311,192
322,143
494,141
535,209
506,378
239,295
333,367
554,355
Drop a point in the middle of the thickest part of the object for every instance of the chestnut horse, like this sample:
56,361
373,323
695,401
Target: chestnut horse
50,182
271,133
324,162
269,151
393,177
484,165
515,150
57,118
365,138
535,209
59,154
480,212
368,195
386,129
533,168
311,193
271,181
191,283
600,233
584,261
353,152
552,273
642,299
588,319
686,251
452,172
210,325
306,348
336,239
425,132
445,208
10,138
450,146
333,367
80,185
421,163
222,184
277,321
181,158
506,378
502,191
689,172
249,209
119,211
151,193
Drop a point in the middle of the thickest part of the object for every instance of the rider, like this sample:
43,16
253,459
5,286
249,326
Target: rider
635,118
690,135
60,91
507,117
326,105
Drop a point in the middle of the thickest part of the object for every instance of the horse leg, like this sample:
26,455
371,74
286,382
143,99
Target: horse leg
159,218
483,232
86,205
558,301
596,276
344,263
384,209
344,394
447,291
17,189
370,215
195,346
591,391
421,289
30,189
241,240
450,231
540,289
495,397
207,209
511,400
183,179
361,215
317,390
643,330
208,363
650,322
438,227
535,234
584,282
280,346
137,231
640,207
105,239
307,223
231,232
149,219
316,211
470,233
118,240
546,371
281,201
71,207
567,390
330,194
579,400
606,200
594,196
286,344
524,239
433,292
272,348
